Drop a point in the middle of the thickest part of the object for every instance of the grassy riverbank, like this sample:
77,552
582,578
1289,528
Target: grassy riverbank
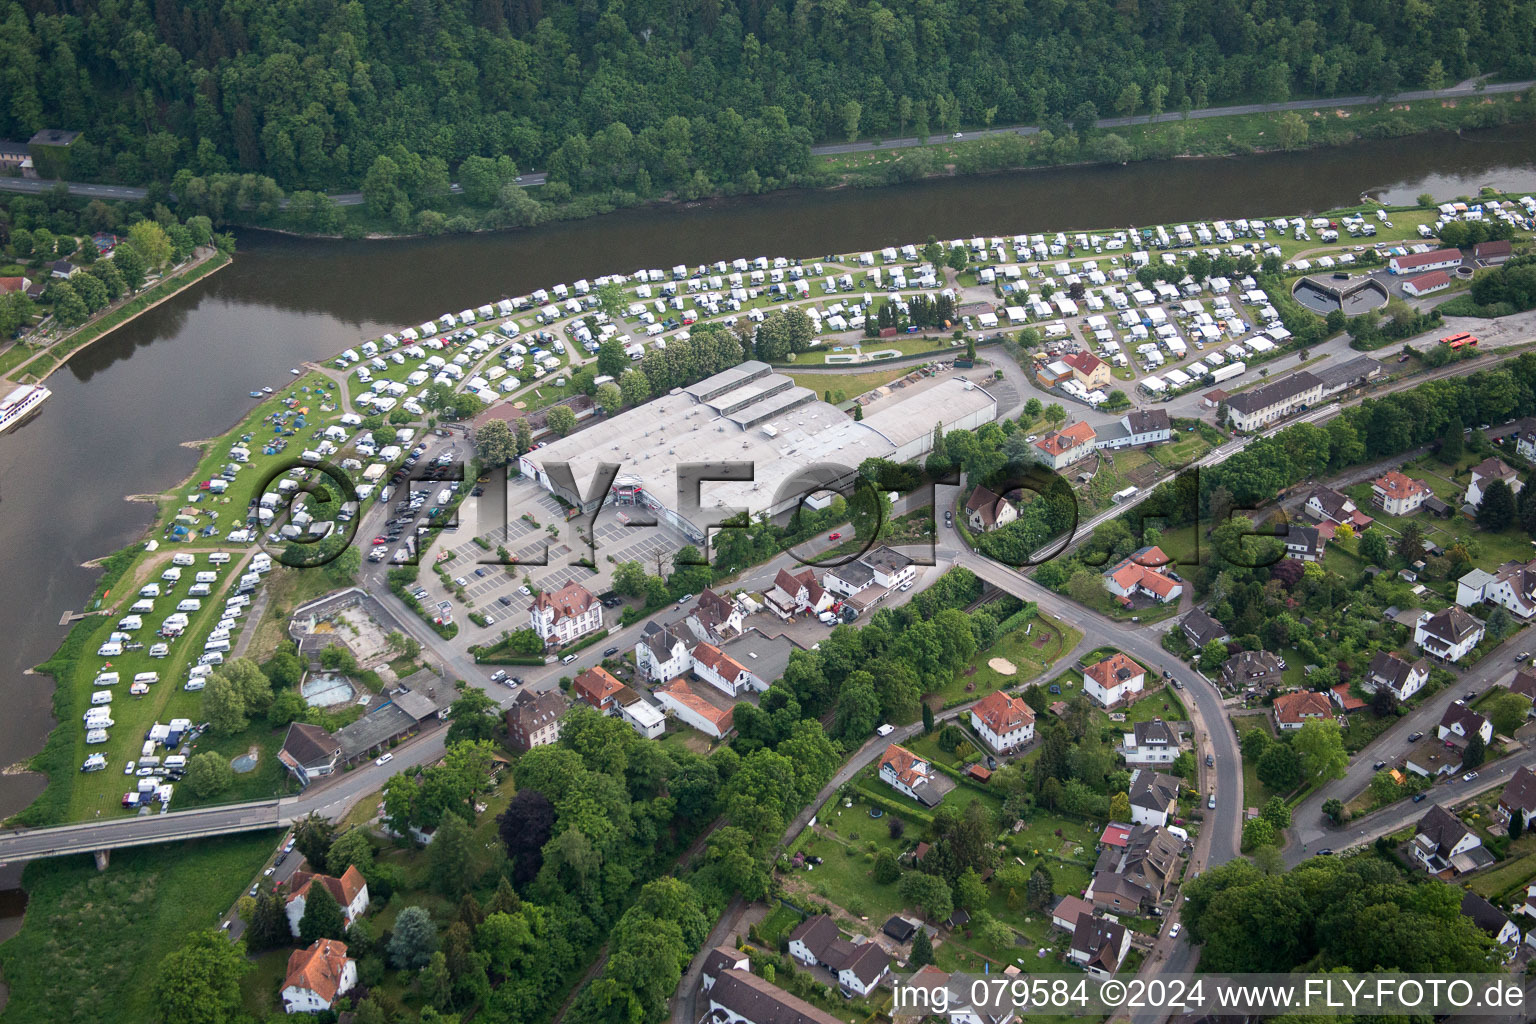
91,939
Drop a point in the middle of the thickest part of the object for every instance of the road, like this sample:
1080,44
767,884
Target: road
1467,88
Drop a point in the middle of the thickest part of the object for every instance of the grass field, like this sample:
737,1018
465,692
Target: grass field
86,951
1255,793
1030,659
853,384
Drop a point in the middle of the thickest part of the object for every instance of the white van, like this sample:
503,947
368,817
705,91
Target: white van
171,575
141,607
211,658
150,590
110,649
191,604
101,697
160,651
196,683
147,677
206,577
219,557
106,679
129,623
182,558
200,590
217,646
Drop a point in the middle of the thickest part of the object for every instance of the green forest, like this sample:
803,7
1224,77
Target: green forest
685,97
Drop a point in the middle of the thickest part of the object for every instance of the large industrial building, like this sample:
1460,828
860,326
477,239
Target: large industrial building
754,415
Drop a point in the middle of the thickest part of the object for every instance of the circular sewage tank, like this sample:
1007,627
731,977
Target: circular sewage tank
1354,295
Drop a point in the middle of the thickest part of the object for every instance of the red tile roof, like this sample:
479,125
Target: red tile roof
679,691
1433,279
1396,486
318,968
1003,713
906,766
1347,700
596,686
1113,670
1116,834
714,658
1296,708
569,601
1058,442
1083,362
1420,259
345,888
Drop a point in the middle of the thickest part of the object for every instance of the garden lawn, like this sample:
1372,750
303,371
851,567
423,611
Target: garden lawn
1255,793
1025,652
87,949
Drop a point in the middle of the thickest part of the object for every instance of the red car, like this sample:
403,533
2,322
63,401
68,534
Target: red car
380,541
835,536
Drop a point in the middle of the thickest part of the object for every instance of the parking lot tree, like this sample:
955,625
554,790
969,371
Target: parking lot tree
199,983
629,579
929,893
413,939
323,918
495,443
561,419
209,773
472,716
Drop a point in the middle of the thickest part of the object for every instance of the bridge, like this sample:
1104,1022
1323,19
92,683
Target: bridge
102,837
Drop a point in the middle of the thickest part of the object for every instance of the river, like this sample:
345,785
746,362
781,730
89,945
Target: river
122,407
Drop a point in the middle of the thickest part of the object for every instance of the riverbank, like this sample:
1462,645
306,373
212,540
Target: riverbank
1205,135
43,363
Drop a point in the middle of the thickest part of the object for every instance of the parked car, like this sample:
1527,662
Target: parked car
1417,797
1378,766
1211,802
384,759
610,652
499,676
1414,737
1210,762
1173,932
1469,777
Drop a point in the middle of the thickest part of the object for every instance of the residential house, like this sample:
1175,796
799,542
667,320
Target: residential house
14,284
1145,574
533,719
939,988
1135,429
1135,878
909,775
1472,588
1329,506
715,619
1004,722
1460,723
1513,588
1519,797
597,687
1099,945
1114,681
645,718
724,672
1257,407
693,710
1089,370
563,615
719,960
350,891
741,997
1061,448
1200,629
309,752
879,572
1485,473
985,511
662,653
892,568
1154,797
1441,843
1524,684
858,966
1304,543
317,976
63,269
1294,710
1398,495
1396,673
1447,635
1149,744
1491,920
1251,668
1067,911
797,594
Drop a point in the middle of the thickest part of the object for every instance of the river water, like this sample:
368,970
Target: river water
121,408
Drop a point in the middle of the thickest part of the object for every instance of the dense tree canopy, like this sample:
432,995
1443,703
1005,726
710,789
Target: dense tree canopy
646,96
